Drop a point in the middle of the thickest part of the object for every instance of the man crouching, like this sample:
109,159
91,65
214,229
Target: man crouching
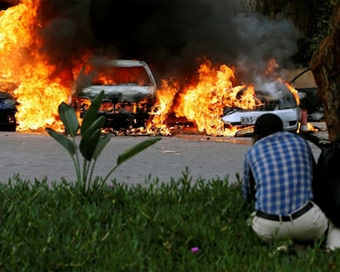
278,173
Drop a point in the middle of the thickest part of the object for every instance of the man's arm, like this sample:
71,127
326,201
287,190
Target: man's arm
252,185
248,179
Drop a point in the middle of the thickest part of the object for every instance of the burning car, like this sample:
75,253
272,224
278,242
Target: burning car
276,98
129,92
7,112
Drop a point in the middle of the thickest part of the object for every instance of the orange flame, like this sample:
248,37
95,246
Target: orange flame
37,89
272,65
310,127
164,102
203,102
291,89
294,92
114,76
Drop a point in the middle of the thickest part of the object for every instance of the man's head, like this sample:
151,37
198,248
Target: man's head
267,124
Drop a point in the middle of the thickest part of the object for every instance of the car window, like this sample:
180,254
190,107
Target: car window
121,75
287,102
279,99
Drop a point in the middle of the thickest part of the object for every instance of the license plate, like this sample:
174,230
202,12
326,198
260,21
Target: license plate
248,120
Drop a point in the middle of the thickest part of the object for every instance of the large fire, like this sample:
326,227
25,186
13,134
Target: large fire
203,102
39,87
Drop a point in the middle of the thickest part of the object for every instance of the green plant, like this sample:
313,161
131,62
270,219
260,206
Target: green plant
91,143
159,225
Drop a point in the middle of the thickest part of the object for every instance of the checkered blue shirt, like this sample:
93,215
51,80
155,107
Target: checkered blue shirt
282,166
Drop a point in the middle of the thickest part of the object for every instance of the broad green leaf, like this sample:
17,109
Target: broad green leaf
69,118
89,143
92,112
63,140
135,150
100,146
97,124
88,138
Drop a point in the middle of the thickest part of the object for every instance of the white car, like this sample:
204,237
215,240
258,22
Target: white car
277,100
129,91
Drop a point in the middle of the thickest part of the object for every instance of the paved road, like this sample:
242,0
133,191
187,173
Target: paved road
39,156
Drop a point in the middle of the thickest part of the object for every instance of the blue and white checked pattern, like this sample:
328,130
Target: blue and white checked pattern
282,166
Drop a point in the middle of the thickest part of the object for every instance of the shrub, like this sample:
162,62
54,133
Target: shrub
91,143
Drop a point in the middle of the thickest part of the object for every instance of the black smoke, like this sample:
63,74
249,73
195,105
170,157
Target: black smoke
66,30
168,34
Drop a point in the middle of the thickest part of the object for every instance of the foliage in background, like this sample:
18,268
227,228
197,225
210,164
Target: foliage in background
91,143
323,16
184,225
311,17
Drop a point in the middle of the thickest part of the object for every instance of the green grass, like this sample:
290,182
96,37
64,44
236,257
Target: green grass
150,227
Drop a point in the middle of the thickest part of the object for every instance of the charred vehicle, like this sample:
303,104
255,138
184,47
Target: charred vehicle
276,99
7,112
129,92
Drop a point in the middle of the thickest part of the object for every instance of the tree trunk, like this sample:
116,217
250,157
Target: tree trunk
325,66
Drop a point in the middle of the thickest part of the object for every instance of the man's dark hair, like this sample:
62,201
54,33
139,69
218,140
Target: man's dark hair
267,124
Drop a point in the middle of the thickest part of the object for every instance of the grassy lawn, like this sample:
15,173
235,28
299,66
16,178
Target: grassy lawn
182,226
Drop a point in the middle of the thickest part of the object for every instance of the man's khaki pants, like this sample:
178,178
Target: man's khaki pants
308,227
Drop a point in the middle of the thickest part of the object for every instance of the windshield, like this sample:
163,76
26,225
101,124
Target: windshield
281,99
121,75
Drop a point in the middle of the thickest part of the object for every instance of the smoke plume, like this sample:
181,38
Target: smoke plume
168,34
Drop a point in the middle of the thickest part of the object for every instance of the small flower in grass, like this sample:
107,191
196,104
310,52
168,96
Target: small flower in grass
194,249
237,185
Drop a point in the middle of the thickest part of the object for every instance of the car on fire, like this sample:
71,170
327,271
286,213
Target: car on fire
277,99
129,92
7,112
